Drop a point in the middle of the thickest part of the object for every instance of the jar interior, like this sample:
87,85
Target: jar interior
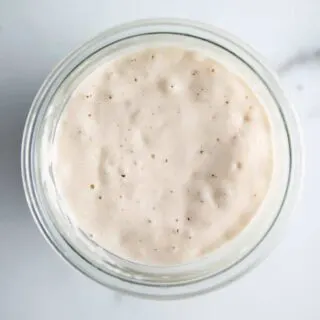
56,219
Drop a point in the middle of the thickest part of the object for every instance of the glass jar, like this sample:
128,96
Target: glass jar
224,264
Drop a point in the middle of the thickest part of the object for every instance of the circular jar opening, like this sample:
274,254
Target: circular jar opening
225,263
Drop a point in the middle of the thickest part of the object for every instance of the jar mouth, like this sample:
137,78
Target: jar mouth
206,273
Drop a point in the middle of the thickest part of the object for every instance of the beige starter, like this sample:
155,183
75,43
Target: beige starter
163,155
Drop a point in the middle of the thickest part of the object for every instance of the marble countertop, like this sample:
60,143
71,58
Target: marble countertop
34,282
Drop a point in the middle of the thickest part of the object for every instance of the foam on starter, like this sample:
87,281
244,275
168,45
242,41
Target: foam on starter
162,155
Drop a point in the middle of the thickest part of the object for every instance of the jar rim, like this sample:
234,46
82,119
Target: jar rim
138,28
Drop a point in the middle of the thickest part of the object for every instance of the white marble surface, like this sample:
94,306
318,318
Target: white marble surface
34,282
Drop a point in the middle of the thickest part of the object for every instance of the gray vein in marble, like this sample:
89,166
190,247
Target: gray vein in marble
305,97
299,59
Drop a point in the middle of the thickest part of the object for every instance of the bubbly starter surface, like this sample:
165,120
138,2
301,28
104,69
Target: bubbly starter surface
162,156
